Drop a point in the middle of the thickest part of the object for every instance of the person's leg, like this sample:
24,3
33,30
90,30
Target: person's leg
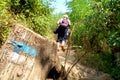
61,38
63,45
64,38
58,46
66,33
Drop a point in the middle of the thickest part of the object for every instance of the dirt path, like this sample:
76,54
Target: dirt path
79,71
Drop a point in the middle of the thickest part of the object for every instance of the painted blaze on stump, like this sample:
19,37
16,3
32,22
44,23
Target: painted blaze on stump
27,56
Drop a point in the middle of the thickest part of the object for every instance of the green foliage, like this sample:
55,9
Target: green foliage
100,62
115,72
114,39
95,23
34,14
5,21
29,7
79,10
96,27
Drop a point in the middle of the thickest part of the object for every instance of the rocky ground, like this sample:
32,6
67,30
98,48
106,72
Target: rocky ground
80,72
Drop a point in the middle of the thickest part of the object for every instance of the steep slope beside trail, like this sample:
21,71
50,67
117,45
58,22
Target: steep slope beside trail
80,72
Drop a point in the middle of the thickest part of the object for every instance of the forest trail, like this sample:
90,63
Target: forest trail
79,71
23,64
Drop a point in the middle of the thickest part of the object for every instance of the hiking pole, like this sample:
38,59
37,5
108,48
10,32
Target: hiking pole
68,48
75,62
68,51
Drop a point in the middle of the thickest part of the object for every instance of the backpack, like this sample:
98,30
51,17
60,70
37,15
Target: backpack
64,23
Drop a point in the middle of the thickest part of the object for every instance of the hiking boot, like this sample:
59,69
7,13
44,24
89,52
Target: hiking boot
63,48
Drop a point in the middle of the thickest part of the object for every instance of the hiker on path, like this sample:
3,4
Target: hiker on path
62,31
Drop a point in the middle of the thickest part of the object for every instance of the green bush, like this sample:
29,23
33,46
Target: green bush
34,14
